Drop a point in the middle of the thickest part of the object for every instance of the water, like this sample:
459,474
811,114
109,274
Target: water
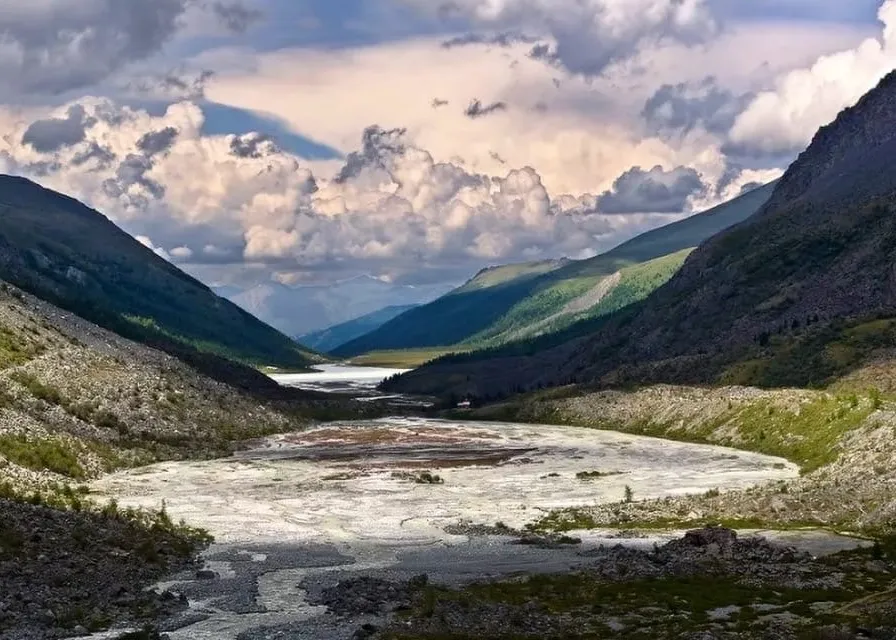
303,511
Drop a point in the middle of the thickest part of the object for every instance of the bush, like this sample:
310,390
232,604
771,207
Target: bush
47,454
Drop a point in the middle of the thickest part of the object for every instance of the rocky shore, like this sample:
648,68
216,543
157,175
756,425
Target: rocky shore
708,585
66,573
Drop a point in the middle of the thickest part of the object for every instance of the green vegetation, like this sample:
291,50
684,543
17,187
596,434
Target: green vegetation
402,359
153,525
39,454
511,302
75,258
812,354
579,605
14,350
536,308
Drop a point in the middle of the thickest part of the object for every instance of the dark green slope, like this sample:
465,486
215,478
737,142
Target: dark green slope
328,339
801,293
521,301
456,316
691,231
57,249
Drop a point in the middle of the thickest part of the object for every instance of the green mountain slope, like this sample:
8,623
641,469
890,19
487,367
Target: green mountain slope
523,301
328,339
802,293
61,251
458,315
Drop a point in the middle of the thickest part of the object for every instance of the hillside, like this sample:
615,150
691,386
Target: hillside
457,315
78,401
332,337
802,293
62,251
516,302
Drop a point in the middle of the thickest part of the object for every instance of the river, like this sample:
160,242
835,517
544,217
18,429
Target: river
297,512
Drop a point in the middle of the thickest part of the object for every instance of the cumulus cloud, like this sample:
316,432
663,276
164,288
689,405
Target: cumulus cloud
682,107
588,35
252,145
54,46
784,119
52,134
477,110
391,209
656,190
157,141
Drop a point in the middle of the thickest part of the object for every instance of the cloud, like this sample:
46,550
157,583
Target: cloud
588,35
478,110
503,39
682,107
784,119
657,190
252,145
235,16
53,134
173,86
392,209
55,46
157,141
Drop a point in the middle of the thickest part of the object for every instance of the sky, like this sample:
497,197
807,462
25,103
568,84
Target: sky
308,142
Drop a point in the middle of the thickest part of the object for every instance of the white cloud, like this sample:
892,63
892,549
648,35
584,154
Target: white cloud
784,119
394,211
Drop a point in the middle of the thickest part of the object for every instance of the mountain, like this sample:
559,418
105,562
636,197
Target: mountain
516,302
305,309
74,257
802,293
462,313
328,339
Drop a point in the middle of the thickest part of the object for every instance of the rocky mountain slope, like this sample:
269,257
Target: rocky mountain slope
799,294
66,253
328,339
516,302
77,400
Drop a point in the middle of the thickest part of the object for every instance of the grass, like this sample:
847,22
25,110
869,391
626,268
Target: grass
578,605
807,433
403,358
14,350
39,454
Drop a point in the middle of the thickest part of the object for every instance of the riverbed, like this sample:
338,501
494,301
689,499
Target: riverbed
295,513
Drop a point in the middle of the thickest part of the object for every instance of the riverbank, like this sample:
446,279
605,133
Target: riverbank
844,444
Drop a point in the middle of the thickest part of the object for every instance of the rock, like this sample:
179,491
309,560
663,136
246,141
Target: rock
206,574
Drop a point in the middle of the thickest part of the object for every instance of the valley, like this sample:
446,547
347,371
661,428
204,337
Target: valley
691,436
321,532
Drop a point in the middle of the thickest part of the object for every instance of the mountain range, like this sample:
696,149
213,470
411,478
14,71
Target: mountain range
329,339
61,251
518,302
800,293
300,310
